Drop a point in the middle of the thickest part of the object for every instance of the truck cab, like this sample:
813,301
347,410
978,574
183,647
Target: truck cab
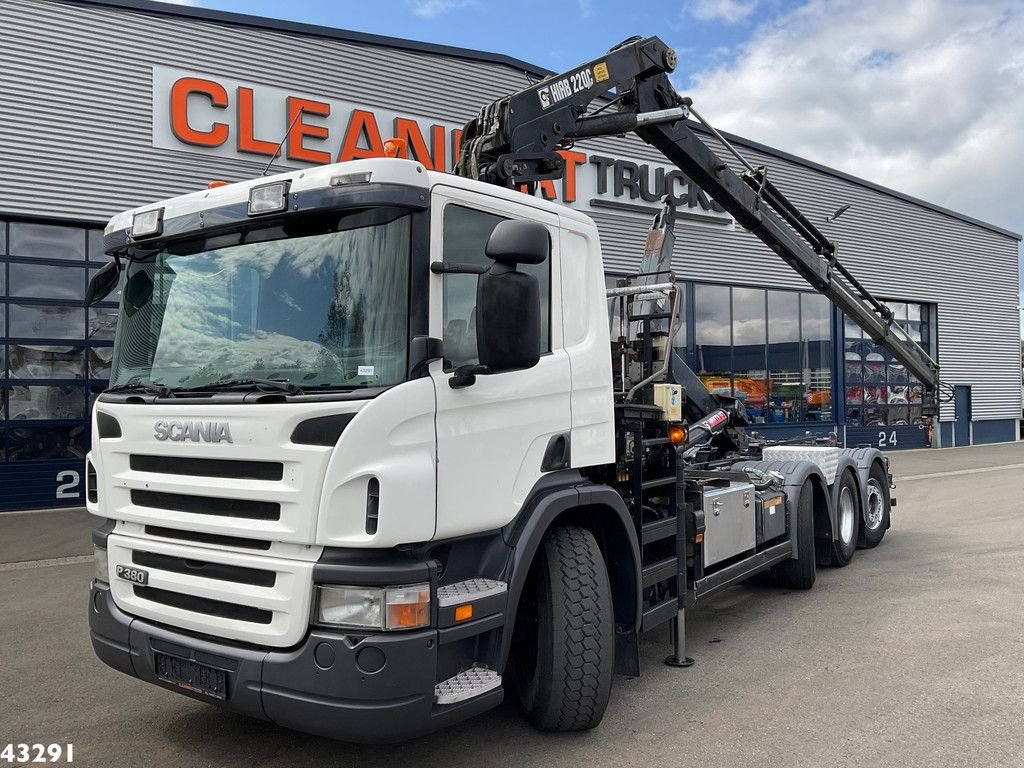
302,467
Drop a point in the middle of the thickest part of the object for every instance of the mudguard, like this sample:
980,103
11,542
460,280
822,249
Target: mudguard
602,510
796,474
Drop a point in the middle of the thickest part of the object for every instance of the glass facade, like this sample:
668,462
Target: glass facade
879,391
770,348
55,355
775,350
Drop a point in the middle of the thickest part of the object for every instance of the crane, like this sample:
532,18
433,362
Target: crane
515,140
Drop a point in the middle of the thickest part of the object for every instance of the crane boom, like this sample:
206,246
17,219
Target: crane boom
515,140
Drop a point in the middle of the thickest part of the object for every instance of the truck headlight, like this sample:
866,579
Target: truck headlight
380,608
101,572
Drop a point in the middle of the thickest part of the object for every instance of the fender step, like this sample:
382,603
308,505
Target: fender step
468,591
468,684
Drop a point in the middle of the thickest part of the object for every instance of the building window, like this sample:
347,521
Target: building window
879,390
749,350
712,337
816,356
54,355
771,349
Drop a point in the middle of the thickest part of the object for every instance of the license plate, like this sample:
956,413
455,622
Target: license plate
192,676
134,575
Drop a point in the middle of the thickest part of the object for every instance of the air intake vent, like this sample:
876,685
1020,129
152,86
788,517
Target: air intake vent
219,571
372,505
107,425
207,505
91,494
207,538
230,468
205,605
324,430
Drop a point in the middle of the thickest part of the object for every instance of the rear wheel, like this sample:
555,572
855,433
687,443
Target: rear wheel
876,507
799,573
847,521
564,639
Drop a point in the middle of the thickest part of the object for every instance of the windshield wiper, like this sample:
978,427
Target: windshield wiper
143,386
281,385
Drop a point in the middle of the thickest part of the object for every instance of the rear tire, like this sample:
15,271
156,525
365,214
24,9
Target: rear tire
848,515
799,573
876,507
565,634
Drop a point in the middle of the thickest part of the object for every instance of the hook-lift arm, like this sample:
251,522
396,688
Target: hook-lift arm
515,140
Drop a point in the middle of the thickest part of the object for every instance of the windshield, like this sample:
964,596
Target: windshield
318,305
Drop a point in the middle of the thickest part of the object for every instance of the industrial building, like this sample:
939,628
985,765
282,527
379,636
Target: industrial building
109,104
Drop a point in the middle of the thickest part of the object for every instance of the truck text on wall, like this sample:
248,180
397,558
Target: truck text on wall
204,113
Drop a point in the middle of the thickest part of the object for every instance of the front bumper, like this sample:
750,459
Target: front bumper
378,690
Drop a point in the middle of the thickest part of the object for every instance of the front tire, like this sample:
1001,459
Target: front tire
848,515
565,634
876,507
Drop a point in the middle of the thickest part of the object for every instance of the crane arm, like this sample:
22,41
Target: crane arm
515,140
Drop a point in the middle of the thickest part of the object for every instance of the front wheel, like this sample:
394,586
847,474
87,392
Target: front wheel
876,507
564,641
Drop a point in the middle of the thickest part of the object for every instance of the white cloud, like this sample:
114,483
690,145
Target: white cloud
926,96
427,9
729,11
586,8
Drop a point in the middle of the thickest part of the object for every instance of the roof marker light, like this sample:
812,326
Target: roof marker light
350,178
268,198
216,183
148,223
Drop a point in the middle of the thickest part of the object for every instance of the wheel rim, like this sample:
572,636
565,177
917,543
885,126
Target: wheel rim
846,515
875,506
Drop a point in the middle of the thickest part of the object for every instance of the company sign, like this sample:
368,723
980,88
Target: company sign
229,118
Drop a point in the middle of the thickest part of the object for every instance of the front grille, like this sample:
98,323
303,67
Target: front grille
204,605
219,571
207,538
230,468
207,505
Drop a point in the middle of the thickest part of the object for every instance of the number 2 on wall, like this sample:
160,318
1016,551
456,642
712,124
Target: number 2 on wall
68,481
887,441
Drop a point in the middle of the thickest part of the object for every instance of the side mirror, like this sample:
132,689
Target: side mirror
102,283
508,301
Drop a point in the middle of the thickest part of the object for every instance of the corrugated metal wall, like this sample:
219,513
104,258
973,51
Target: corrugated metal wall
75,138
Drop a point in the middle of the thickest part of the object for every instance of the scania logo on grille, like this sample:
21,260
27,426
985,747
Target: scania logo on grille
196,431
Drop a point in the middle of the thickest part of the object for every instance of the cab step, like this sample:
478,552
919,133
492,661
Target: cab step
468,591
468,684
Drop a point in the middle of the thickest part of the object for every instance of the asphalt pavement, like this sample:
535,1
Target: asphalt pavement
911,656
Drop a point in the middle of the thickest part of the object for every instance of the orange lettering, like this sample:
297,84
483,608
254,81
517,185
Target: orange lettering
547,189
409,132
296,149
183,131
246,141
456,146
437,144
361,123
572,159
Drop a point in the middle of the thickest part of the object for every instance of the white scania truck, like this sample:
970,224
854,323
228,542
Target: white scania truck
371,458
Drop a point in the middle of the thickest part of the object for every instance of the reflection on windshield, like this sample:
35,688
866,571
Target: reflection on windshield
323,310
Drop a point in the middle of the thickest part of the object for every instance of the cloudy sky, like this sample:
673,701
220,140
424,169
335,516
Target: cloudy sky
924,96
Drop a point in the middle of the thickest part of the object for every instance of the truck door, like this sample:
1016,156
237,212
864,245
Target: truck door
492,435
